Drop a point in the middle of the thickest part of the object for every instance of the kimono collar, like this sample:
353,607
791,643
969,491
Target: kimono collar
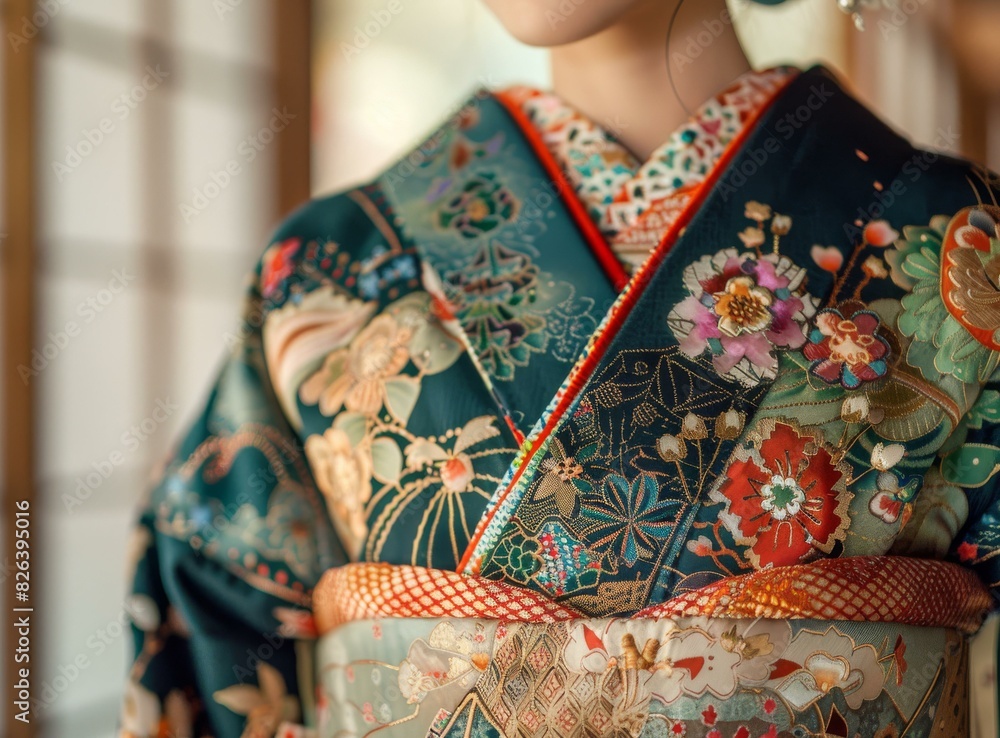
634,202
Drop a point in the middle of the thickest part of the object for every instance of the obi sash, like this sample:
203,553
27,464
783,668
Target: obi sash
840,647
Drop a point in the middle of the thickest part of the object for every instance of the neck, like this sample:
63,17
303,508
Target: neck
619,77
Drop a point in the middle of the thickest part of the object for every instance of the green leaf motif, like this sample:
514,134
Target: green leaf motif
401,397
809,399
971,465
354,426
986,410
387,460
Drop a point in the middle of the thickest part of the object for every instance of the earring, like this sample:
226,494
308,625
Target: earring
853,9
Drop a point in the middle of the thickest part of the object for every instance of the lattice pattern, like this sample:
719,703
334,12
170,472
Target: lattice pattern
364,591
873,589
889,589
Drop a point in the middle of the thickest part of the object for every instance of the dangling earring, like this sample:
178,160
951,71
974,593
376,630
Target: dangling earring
853,9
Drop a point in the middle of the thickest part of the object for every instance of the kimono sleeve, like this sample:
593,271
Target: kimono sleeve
974,467
228,545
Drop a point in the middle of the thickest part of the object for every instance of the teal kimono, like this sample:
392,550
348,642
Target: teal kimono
463,474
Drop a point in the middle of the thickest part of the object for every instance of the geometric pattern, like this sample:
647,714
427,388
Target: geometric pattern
365,591
886,589
530,691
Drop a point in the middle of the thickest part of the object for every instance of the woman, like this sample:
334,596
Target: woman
684,428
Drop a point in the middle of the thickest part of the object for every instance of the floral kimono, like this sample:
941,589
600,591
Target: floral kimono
530,438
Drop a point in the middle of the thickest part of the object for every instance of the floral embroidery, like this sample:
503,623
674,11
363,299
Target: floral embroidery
563,480
277,265
832,661
343,472
143,715
520,559
449,662
483,205
455,466
742,307
357,379
916,264
847,348
301,334
493,299
785,497
265,706
628,517
970,275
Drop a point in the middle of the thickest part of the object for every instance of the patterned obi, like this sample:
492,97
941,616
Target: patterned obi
846,647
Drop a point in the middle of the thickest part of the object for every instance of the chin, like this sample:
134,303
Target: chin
547,23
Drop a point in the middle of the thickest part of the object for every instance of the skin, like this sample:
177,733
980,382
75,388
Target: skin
610,58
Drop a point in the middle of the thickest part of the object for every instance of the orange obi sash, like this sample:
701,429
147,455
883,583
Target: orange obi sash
889,589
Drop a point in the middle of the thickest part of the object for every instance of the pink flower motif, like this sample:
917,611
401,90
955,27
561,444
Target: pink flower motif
277,265
740,309
879,233
700,546
827,258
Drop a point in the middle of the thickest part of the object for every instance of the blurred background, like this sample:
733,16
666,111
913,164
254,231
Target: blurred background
150,146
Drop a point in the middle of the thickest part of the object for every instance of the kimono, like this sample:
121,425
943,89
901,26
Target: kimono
528,438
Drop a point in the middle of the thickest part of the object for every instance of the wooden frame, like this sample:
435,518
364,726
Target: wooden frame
293,90
17,309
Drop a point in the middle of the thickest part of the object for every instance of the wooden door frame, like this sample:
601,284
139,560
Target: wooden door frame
18,296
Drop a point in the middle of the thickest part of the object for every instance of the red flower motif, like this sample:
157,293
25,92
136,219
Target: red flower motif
709,716
277,265
770,706
786,499
967,551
